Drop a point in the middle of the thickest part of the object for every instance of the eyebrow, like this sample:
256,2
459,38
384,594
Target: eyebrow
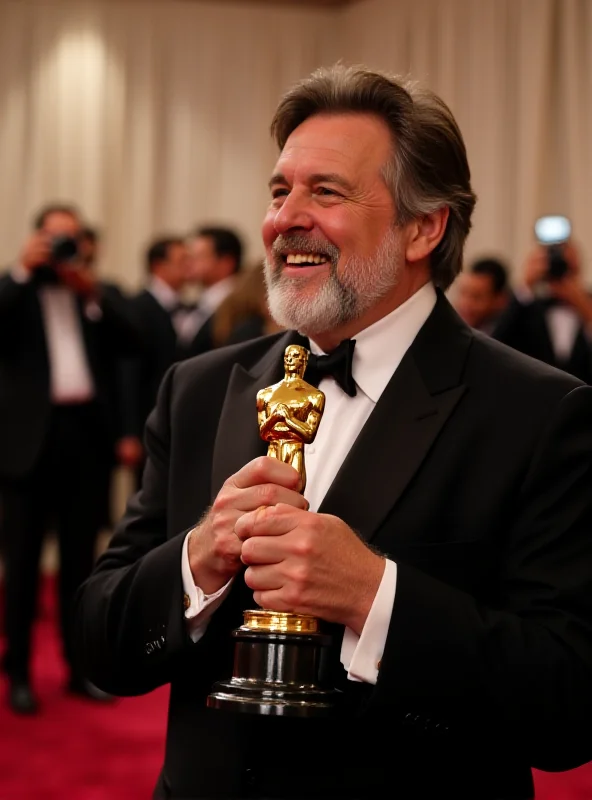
318,177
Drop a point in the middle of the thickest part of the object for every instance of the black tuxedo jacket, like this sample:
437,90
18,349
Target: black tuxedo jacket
25,402
140,378
203,340
474,473
523,326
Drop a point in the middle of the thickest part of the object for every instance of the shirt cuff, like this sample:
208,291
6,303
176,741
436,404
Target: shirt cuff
361,655
19,274
199,607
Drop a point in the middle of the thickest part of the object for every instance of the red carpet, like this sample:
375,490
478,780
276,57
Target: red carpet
78,750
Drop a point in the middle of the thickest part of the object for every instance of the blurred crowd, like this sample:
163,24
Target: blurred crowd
81,362
546,313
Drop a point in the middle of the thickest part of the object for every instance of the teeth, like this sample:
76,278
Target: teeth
305,258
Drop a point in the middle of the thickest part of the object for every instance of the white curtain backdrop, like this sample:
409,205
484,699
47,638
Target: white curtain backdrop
153,115
517,74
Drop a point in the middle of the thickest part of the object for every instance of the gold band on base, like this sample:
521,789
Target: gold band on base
279,622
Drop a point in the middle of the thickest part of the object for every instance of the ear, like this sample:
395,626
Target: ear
227,265
425,234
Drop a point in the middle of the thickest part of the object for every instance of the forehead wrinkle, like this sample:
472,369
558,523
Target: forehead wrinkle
331,165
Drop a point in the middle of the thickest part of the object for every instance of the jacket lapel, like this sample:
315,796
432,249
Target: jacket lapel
88,327
237,439
404,425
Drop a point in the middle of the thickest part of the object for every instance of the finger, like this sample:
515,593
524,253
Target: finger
263,579
270,521
266,470
272,599
260,550
265,494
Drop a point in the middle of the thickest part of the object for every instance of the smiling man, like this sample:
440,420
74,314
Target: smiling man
444,530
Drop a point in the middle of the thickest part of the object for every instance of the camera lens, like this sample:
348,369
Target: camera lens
64,249
558,267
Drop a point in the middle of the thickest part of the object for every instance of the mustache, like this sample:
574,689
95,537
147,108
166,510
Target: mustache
305,244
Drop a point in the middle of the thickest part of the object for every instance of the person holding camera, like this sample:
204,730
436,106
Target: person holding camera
550,315
60,332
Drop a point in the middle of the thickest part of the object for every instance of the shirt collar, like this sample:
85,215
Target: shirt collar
163,293
213,296
380,347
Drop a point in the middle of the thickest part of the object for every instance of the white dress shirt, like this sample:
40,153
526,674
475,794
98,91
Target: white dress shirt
71,378
187,322
378,352
214,295
164,294
563,323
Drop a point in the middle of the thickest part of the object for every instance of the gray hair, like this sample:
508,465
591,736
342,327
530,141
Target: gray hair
429,167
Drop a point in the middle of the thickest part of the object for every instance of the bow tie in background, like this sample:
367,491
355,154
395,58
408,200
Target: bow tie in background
337,364
186,307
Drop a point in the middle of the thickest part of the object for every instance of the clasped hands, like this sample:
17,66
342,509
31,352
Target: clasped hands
296,560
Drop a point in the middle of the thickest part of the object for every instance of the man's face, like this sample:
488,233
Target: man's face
175,269
60,223
332,249
205,264
476,300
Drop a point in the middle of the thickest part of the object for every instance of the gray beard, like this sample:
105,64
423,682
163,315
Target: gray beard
339,299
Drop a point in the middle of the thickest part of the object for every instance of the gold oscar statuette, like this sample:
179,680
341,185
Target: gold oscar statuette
279,657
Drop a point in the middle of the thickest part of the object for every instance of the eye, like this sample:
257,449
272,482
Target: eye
279,191
324,191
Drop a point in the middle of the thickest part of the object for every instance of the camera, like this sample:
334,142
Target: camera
552,232
64,249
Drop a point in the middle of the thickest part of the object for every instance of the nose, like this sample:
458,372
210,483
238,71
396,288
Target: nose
294,213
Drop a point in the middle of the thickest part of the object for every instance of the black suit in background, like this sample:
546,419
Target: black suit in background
203,340
139,378
524,327
53,458
473,473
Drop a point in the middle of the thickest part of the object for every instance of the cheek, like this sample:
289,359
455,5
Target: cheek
348,232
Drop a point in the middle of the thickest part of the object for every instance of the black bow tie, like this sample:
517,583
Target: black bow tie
337,364
181,306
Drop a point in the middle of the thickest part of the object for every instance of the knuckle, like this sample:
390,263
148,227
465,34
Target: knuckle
222,526
266,494
221,502
292,596
300,576
259,468
304,546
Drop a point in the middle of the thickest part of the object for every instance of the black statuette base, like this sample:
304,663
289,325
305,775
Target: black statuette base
277,674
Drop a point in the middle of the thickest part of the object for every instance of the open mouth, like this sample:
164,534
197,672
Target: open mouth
304,259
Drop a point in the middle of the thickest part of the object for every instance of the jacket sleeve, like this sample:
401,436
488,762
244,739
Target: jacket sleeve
128,376
120,327
521,670
12,295
128,615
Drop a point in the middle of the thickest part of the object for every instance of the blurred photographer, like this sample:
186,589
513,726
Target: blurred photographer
60,332
550,316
